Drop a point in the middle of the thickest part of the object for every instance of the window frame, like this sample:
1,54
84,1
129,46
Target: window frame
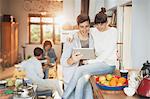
41,24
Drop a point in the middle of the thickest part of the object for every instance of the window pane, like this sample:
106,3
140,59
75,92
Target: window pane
47,32
35,33
35,19
57,34
47,20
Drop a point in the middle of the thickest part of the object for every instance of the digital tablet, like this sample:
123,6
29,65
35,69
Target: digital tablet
88,53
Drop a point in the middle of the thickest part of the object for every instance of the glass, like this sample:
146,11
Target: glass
47,20
124,73
35,33
47,32
18,82
52,60
35,19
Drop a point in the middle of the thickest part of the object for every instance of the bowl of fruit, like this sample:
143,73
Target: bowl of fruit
111,82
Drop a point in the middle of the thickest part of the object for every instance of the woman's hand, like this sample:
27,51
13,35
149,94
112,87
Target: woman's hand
85,62
76,57
70,39
48,59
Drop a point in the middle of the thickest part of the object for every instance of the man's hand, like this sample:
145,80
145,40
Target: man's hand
85,62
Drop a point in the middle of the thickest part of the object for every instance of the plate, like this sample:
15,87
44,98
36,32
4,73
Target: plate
3,82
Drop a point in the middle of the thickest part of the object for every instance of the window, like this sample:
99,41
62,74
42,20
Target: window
42,28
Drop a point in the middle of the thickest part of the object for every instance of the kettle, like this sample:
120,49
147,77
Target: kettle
144,87
145,70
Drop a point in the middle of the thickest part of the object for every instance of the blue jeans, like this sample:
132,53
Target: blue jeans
80,80
46,73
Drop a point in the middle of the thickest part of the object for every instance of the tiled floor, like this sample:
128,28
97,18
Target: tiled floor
59,71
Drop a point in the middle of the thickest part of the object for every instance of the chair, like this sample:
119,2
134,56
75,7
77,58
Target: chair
53,71
50,71
46,93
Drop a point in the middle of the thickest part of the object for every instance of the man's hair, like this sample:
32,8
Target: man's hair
82,18
47,42
38,51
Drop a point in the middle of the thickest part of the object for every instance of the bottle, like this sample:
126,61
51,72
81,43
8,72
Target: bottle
24,83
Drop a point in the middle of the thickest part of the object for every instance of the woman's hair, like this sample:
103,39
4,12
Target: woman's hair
38,51
103,10
47,42
101,17
82,18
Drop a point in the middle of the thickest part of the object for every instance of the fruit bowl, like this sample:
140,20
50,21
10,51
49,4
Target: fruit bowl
109,87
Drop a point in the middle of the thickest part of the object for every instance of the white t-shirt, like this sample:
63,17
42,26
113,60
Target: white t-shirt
105,44
33,68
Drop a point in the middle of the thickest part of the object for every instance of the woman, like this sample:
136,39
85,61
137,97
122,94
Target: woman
49,51
70,60
105,39
48,54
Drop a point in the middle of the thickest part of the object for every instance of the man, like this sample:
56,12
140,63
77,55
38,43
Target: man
34,72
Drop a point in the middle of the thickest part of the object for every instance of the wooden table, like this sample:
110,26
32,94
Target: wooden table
107,94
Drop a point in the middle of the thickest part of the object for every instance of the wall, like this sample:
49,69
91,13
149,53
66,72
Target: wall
95,7
122,2
69,9
77,9
110,4
148,36
140,32
3,9
4,6
127,22
72,9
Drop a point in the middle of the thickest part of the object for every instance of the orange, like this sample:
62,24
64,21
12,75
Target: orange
122,80
119,84
113,83
114,78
